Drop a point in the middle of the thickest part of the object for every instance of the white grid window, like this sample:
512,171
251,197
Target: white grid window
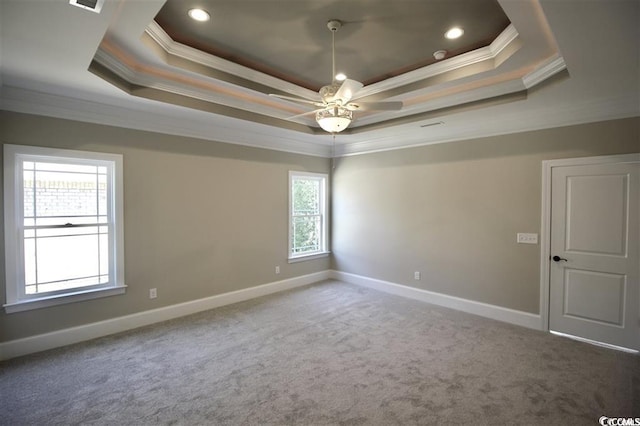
63,220
308,228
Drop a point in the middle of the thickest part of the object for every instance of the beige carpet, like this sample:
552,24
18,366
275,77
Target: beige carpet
331,353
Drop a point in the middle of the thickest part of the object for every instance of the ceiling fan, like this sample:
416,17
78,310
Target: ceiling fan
335,110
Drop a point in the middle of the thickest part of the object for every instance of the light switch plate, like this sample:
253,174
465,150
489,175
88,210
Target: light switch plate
524,238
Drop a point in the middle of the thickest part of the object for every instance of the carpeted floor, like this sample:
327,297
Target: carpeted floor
330,353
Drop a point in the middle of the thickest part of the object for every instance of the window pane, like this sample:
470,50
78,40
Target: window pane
306,196
65,194
28,179
306,234
29,261
65,258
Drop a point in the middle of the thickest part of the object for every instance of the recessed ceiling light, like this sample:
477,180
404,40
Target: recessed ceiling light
454,32
341,77
199,15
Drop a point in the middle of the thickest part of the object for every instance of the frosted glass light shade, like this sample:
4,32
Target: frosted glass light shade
334,120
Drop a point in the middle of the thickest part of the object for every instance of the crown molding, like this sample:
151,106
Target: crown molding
180,50
116,66
503,40
218,92
501,124
214,88
171,47
458,99
545,70
176,121
196,87
154,117
460,61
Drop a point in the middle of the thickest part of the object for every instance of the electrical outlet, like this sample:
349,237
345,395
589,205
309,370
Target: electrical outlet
153,293
416,275
523,238
277,269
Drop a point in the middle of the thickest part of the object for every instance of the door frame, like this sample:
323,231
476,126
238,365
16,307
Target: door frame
545,232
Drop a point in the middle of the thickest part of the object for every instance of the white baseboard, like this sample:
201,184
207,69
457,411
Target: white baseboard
41,342
524,319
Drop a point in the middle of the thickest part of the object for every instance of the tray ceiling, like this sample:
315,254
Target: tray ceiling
289,39
520,65
166,70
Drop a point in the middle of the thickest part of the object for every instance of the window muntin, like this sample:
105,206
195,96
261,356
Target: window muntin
63,220
66,226
308,216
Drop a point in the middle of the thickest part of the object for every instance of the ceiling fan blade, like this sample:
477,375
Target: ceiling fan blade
347,90
299,100
374,106
304,114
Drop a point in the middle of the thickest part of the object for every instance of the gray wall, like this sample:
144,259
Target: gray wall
452,211
201,218
204,218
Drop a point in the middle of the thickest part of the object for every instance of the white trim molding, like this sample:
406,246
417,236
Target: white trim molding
109,279
512,316
55,339
489,52
70,297
544,71
172,47
142,114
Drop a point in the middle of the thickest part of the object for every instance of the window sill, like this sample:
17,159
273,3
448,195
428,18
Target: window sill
59,299
309,257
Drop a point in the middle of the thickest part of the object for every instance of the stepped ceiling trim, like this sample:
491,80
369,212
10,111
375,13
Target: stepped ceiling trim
142,79
195,79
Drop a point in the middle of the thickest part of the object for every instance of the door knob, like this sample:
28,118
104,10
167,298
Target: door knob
558,259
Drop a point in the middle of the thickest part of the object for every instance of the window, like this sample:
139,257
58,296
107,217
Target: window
308,222
63,226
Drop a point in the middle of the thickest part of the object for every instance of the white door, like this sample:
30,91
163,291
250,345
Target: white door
594,254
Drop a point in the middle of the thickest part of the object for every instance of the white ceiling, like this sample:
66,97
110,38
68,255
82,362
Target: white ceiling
561,62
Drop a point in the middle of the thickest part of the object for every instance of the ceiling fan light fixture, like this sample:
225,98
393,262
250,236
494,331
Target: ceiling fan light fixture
199,15
336,110
334,120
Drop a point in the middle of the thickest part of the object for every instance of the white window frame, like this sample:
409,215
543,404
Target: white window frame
14,155
323,178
